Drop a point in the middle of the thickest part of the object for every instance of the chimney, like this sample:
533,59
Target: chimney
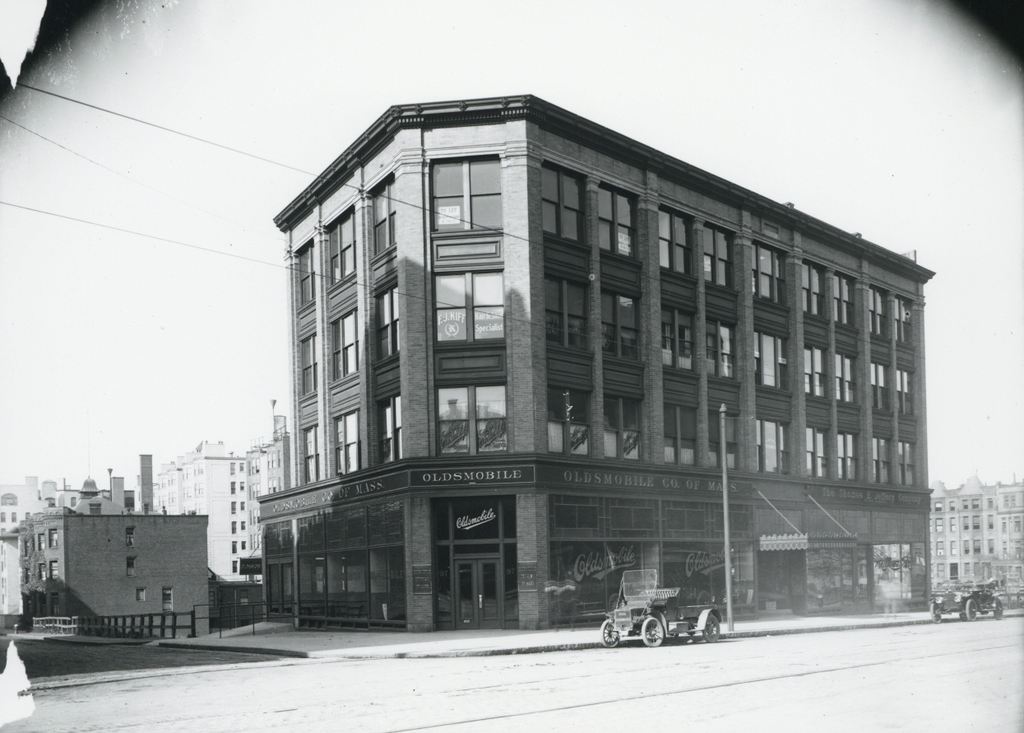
117,490
145,482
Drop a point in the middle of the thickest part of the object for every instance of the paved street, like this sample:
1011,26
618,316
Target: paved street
949,677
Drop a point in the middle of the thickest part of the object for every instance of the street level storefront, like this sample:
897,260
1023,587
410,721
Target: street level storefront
542,543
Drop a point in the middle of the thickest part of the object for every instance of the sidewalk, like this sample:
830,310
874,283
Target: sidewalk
281,640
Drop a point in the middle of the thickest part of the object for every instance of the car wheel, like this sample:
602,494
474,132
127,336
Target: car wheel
652,632
712,630
970,610
937,614
609,635
997,610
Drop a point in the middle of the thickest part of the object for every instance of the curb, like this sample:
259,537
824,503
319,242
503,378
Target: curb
238,649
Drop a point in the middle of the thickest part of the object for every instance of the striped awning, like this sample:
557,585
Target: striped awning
769,542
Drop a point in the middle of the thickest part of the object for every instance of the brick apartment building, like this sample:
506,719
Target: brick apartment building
512,330
978,533
78,563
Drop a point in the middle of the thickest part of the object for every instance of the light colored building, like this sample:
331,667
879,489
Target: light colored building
17,501
210,480
977,532
268,464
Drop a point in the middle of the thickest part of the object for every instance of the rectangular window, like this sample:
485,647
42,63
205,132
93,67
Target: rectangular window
52,539
344,346
814,382
620,325
561,203
976,522
621,428
680,435
842,306
905,457
880,460
767,274
383,218
810,287
234,547
467,195
991,546
140,594
903,394
387,323
130,566
470,306
816,458
346,443
939,526
846,460
901,319
167,598
42,571
719,339
389,419
341,240
844,376
307,288
879,390
233,486
771,447
234,507
615,221
769,360
310,456
568,421
129,536
674,249
716,257
714,438
307,351
876,311
676,339
234,528
967,547
565,314
54,569
483,408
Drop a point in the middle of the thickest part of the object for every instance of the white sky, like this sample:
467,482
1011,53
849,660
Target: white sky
900,120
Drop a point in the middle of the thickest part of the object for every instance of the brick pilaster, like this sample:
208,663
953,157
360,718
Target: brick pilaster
746,435
700,345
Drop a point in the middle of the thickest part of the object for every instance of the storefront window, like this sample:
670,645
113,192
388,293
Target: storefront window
584,576
893,564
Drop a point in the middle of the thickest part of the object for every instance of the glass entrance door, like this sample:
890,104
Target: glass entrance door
476,584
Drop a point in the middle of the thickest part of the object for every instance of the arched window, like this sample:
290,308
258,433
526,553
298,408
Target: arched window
8,500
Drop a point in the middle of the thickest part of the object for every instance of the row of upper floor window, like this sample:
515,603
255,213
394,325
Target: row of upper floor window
473,419
1009,501
972,522
467,195
1010,551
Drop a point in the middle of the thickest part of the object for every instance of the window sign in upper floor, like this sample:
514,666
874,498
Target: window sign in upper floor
470,306
467,195
615,221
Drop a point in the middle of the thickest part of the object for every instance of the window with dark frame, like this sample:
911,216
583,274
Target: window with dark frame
876,311
466,194
846,459
129,536
389,418
769,360
565,315
772,456
561,203
901,320
674,249
768,280
310,456
811,278
52,539
346,443
905,458
387,323
844,376
719,343
383,217
129,564
680,435
307,287
469,306
472,419
879,389
621,428
615,216
307,351
817,460
676,339
814,380
54,569
842,304
344,346
880,460
903,393
717,266
568,421
620,333
341,245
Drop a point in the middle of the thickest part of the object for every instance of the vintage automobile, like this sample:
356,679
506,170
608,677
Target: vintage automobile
967,601
649,613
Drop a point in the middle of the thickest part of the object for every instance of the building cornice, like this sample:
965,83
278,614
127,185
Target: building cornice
498,110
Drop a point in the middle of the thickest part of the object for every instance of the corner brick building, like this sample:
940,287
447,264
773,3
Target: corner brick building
512,332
